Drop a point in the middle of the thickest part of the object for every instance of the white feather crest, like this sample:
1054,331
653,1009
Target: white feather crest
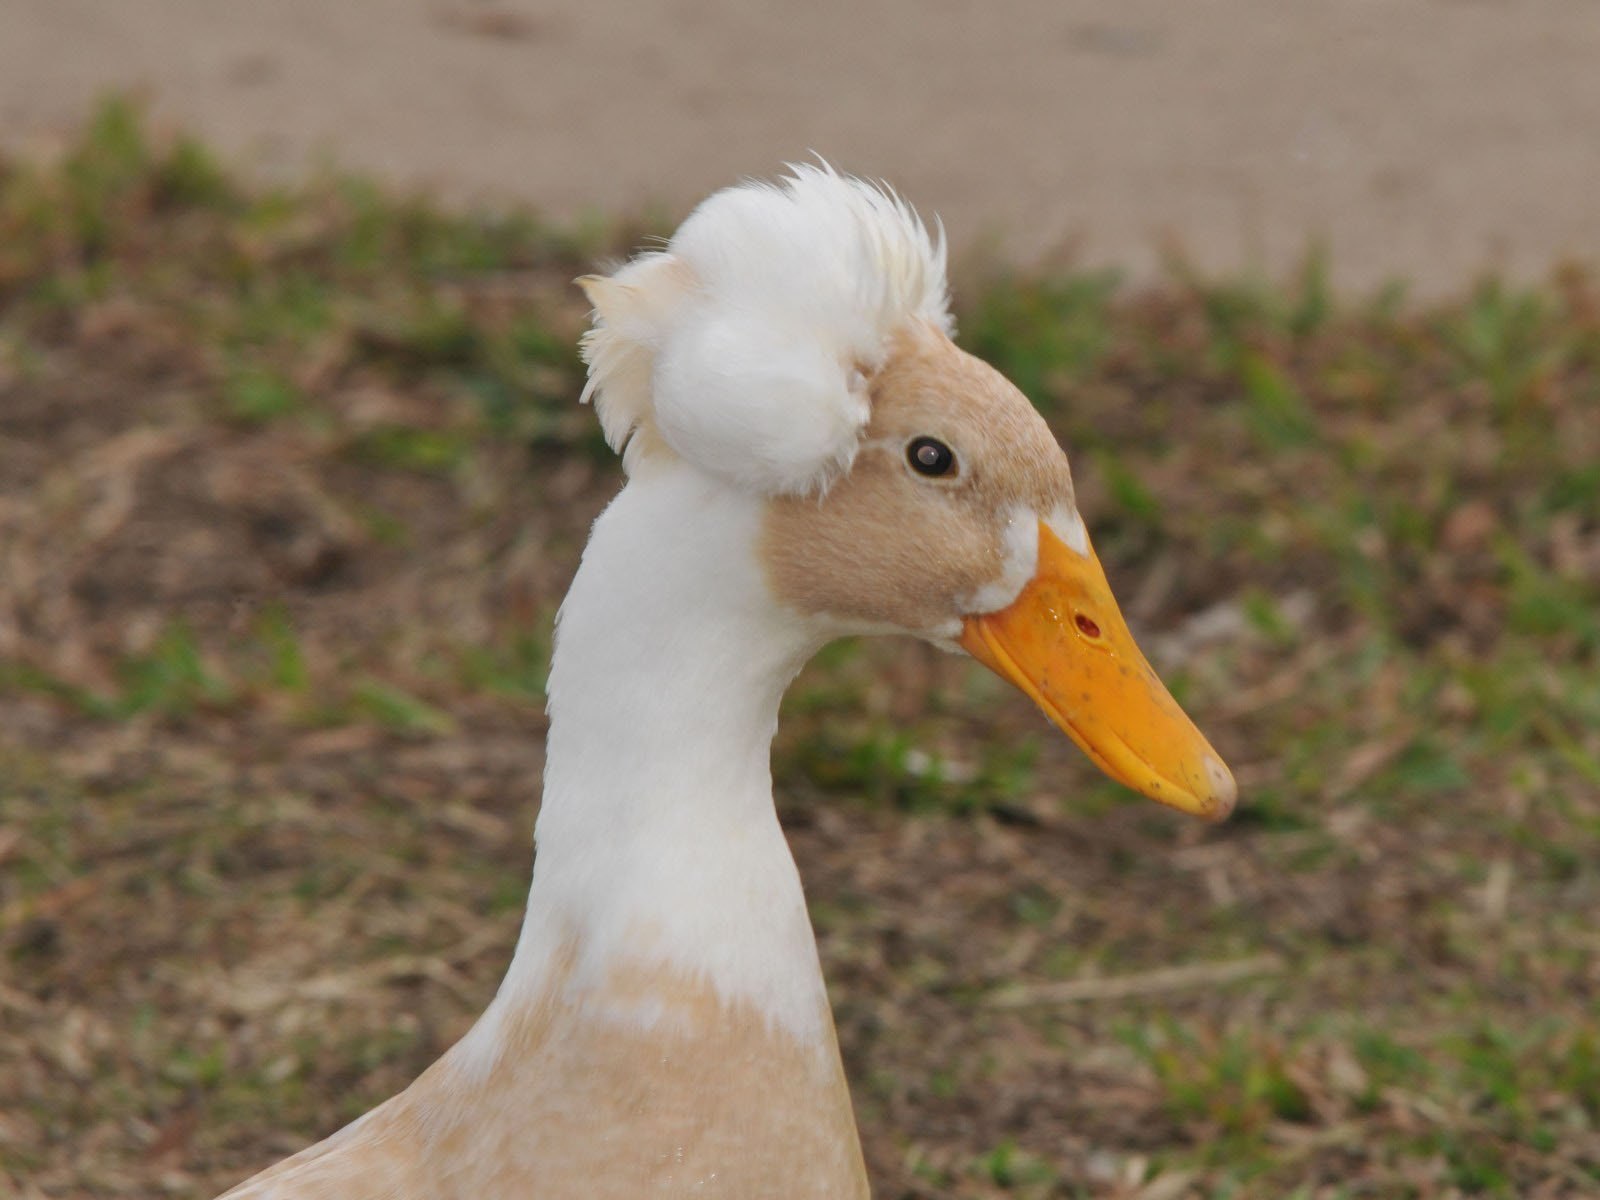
744,346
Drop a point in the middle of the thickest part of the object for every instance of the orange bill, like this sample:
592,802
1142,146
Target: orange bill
1063,641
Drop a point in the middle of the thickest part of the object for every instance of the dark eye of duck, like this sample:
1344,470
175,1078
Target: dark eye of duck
930,456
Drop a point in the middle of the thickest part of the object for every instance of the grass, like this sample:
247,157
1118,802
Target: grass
291,484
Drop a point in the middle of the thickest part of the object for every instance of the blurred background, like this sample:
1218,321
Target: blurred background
293,477
1420,141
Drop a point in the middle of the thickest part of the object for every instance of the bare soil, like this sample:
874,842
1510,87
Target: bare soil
1422,141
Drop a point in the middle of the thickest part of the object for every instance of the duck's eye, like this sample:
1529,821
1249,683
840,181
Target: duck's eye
930,456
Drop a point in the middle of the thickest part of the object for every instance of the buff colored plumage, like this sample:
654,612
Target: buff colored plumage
663,1029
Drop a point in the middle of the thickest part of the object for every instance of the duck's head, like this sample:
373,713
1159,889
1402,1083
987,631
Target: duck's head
793,341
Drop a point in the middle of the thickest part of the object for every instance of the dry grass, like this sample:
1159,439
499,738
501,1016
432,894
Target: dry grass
290,486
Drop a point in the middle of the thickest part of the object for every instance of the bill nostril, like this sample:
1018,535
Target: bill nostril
1086,625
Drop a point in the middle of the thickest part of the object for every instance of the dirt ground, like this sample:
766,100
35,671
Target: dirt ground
1424,140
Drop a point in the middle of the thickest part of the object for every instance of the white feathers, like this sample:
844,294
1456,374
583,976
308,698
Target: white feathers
743,346
763,408
633,311
1068,525
658,841
1020,561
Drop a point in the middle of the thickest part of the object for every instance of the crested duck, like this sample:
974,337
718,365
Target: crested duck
808,456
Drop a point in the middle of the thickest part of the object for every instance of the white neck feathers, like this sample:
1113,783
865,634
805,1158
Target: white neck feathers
658,844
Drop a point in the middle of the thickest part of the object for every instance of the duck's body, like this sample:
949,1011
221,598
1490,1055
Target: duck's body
664,1028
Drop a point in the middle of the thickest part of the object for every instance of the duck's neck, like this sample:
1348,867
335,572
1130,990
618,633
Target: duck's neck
658,846
664,1029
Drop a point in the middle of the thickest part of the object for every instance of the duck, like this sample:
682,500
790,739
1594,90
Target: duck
807,456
